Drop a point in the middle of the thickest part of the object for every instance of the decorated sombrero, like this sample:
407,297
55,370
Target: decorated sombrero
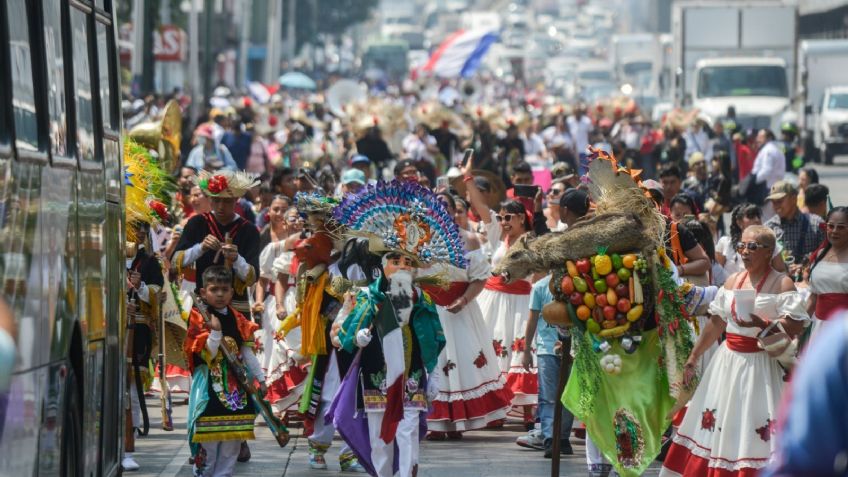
405,218
226,184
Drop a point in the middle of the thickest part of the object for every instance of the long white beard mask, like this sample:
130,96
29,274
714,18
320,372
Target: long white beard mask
400,293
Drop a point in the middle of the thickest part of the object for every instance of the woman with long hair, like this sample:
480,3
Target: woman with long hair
729,425
829,270
806,177
472,391
506,304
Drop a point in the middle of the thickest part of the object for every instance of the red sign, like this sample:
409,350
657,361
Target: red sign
170,44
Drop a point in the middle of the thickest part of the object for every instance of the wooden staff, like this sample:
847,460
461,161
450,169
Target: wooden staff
165,392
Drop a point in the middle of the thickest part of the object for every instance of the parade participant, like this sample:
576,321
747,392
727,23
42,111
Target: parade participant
316,305
208,155
221,415
731,419
741,217
829,270
471,390
393,323
211,238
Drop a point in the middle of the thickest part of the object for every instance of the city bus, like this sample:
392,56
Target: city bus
61,237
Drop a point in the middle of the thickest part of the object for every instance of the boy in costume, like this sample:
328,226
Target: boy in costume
381,404
221,414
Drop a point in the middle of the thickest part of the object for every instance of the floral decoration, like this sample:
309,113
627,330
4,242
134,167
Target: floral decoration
708,419
481,360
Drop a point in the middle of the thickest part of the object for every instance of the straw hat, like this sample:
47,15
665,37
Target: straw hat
226,184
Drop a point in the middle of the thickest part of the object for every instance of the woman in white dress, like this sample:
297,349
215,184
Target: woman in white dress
741,217
506,306
472,391
829,271
729,426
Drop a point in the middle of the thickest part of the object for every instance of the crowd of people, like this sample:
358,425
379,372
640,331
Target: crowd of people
267,225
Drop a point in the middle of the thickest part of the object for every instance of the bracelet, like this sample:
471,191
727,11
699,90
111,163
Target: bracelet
467,178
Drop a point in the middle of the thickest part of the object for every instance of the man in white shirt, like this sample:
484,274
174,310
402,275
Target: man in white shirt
697,140
580,126
769,165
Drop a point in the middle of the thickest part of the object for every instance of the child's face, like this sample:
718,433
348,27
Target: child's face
217,295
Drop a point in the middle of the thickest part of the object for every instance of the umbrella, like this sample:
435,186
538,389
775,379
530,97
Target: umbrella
296,80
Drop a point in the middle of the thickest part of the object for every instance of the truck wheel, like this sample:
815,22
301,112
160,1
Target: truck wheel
71,462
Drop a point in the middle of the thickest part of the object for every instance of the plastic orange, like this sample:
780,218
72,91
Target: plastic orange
628,260
583,312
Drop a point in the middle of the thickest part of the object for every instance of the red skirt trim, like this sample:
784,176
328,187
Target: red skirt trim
464,410
523,383
681,460
279,389
518,287
172,371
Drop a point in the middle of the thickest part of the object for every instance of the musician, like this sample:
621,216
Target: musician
144,280
221,414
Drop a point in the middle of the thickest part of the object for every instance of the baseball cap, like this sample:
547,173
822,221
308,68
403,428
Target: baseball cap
575,200
781,189
359,159
353,175
695,158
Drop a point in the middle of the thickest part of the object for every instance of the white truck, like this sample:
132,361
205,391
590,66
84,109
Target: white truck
636,58
738,54
822,88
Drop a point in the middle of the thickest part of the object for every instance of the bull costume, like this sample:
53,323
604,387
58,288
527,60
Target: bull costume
393,326
317,304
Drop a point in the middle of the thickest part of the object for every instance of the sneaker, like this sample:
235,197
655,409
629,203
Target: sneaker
352,466
564,448
244,452
317,462
129,464
533,440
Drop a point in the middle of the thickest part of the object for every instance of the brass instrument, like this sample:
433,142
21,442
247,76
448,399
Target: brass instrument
163,136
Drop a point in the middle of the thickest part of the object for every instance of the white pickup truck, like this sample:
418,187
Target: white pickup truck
832,124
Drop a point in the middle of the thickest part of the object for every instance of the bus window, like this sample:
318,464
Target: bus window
82,85
109,116
58,125
23,89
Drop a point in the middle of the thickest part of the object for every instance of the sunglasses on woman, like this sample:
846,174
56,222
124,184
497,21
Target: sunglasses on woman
752,246
503,218
832,226
556,191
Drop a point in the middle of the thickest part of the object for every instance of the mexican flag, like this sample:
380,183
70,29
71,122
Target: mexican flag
391,337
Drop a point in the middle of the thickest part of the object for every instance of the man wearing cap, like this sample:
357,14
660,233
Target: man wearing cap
207,155
406,170
306,179
362,163
697,184
353,180
799,233
697,140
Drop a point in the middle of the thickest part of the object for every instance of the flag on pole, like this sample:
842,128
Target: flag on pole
461,53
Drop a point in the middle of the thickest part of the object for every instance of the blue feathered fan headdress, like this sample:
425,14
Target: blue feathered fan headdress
403,217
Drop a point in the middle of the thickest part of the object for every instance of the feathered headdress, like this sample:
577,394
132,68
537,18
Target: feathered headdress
403,217
314,203
148,188
226,184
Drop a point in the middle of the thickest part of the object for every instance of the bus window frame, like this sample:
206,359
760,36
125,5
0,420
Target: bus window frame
6,151
88,10
39,156
109,130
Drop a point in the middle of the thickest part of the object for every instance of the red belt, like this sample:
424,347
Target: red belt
827,304
743,344
519,287
446,296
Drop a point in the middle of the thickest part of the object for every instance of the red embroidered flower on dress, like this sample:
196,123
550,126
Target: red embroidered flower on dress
448,367
499,348
518,345
708,419
217,184
481,360
766,431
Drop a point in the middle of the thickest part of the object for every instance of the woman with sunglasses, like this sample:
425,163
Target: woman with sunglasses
472,392
506,304
741,217
829,271
729,425
552,211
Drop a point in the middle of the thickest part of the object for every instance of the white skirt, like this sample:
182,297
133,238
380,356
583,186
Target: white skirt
731,419
506,315
472,391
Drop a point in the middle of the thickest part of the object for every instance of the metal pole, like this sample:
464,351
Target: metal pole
193,61
272,51
246,19
207,52
291,32
564,367
137,65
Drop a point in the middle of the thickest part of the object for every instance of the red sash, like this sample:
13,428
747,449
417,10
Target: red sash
446,296
827,304
216,231
518,287
742,344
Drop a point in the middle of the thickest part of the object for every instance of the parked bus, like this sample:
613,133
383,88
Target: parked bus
61,237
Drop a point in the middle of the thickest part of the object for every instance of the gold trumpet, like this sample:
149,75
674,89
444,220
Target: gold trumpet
163,136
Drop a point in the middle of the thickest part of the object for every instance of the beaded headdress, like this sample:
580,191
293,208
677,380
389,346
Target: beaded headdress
403,217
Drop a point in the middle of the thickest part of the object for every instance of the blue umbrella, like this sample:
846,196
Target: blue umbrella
296,80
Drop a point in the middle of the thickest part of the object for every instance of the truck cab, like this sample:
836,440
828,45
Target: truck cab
756,87
832,123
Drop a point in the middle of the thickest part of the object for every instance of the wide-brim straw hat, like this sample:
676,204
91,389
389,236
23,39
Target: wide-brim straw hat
226,184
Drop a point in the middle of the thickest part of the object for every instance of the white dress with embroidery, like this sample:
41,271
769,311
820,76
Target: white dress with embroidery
730,421
506,317
471,388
